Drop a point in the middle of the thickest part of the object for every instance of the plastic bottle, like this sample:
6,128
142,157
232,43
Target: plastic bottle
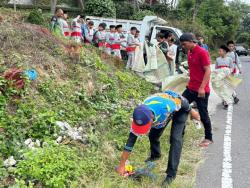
197,124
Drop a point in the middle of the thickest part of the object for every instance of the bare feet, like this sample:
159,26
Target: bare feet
205,143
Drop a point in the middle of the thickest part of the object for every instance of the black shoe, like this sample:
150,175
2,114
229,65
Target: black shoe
151,159
168,180
225,105
236,100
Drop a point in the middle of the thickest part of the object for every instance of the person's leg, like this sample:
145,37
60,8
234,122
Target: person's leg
132,59
129,62
154,138
118,54
235,98
176,142
108,50
202,105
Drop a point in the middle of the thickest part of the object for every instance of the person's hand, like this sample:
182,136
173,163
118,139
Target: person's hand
121,170
201,93
195,115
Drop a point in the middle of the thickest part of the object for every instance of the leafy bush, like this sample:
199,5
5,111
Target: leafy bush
53,166
36,17
141,14
103,8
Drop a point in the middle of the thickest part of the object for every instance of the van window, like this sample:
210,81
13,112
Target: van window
164,30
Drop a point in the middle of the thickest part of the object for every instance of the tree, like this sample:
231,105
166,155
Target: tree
197,4
53,6
102,8
81,4
221,22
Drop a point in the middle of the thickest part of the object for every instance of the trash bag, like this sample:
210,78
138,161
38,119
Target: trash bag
151,57
176,83
224,83
157,68
139,65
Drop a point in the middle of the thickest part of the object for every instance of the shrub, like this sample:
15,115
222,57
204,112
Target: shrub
141,14
53,166
103,8
36,17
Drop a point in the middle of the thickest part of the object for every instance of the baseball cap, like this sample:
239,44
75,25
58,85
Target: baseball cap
141,120
187,37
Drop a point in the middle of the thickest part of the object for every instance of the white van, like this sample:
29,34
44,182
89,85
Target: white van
148,27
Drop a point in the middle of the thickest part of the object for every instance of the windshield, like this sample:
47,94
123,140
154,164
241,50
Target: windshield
240,48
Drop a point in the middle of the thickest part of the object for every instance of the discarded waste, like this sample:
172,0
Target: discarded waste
31,74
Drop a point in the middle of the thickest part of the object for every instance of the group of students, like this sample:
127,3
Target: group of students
111,40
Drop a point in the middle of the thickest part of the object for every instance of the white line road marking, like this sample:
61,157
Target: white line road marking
226,180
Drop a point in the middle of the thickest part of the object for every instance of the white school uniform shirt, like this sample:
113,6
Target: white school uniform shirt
64,26
235,58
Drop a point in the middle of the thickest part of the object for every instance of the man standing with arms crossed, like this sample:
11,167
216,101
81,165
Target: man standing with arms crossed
198,89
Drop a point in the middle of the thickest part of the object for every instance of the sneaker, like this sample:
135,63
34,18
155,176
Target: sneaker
236,100
168,180
151,159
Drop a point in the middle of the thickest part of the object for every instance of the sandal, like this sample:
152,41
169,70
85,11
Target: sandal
205,143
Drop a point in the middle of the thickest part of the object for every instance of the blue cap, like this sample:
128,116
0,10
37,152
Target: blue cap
142,115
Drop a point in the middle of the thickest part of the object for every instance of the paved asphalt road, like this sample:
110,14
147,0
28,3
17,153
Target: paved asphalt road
209,174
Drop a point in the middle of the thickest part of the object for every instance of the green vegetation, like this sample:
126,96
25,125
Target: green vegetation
104,8
36,17
84,90
141,14
62,164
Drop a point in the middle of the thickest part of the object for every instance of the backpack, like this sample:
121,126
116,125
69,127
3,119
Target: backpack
54,26
95,39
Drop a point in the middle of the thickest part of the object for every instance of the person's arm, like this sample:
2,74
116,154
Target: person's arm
117,39
163,47
188,108
238,63
231,64
88,37
131,41
98,36
170,56
126,153
206,47
107,38
216,64
206,78
205,60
